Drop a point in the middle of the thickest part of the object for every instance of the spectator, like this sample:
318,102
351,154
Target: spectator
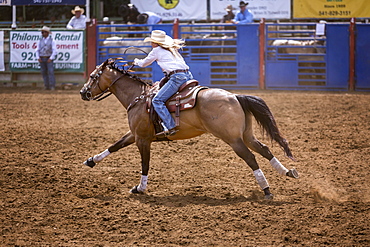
229,16
149,18
46,53
244,16
79,20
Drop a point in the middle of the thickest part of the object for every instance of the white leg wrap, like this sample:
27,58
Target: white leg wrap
99,157
143,183
278,166
261,180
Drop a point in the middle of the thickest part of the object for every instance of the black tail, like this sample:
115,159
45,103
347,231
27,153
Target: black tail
264,118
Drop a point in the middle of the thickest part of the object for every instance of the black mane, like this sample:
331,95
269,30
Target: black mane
119,65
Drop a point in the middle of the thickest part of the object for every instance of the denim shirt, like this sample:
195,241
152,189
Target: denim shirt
244,18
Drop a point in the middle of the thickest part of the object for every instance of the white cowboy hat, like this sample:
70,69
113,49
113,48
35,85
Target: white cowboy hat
77,8
160,37
46,29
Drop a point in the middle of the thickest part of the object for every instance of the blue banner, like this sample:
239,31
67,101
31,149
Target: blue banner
48,2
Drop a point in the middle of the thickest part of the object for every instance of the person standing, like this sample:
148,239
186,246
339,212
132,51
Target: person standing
46,53
229,16
79,20
165,52
244,16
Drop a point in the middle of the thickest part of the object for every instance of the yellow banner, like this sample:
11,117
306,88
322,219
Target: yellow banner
331,8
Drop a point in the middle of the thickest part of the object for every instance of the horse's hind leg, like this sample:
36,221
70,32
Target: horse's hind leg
262,149
243,152
125,141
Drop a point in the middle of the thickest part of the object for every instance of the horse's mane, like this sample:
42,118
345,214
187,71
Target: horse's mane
119,65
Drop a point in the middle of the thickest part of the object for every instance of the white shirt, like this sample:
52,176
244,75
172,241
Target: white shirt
77,23
165,59
53,47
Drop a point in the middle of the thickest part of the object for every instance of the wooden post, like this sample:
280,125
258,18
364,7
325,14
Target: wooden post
175,28
352,40
262,39
91,47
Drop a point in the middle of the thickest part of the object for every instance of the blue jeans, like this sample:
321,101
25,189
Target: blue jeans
170,88
47,71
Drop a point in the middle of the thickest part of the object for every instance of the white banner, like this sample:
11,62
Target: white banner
170,10
2,67
70,47
5,2
268,9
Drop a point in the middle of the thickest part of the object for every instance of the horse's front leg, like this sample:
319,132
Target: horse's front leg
144,149
125,141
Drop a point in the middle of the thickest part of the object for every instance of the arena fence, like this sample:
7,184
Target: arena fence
288,56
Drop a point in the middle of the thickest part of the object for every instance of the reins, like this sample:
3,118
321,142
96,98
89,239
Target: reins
99,97
124,72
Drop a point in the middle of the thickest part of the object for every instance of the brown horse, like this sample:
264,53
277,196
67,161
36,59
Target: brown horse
226,115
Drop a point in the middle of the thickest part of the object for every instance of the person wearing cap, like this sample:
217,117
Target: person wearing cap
46,53
244,16
149,18
165,52
78,21
229,16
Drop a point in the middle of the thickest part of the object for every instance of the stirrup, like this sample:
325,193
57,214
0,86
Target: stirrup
170,132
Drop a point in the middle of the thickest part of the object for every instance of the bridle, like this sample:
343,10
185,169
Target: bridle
95,79
112,64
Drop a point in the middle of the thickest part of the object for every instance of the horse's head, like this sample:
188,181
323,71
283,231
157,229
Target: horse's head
99,82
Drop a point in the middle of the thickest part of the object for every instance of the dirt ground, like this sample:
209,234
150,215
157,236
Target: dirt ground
199,192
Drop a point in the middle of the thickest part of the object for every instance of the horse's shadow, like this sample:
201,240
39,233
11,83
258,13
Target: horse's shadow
193,199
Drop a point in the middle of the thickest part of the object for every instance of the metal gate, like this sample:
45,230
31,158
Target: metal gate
295,57
228,56
118,40
362,57
222,55
211,51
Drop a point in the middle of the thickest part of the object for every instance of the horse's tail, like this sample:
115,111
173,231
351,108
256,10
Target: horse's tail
264,118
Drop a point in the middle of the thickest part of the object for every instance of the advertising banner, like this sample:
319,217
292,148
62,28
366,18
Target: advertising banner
70,47
268,9
331,9
170,10
48,2
2,67
5,2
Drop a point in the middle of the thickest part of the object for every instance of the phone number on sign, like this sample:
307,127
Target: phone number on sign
31,56
335,13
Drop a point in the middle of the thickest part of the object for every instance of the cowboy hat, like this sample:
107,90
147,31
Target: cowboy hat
160,37
77,8
229,8
142,18
243,4
46,29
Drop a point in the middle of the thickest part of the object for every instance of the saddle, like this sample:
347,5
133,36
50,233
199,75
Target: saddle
184,99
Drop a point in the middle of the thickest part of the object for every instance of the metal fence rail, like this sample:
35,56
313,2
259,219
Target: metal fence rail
295,57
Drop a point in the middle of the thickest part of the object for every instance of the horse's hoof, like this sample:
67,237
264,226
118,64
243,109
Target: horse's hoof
269,197
90,162
292,173
134,190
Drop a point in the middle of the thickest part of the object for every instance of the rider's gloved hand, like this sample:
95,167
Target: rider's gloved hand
136,60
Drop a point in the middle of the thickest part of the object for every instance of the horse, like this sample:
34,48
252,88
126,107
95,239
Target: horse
226,115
